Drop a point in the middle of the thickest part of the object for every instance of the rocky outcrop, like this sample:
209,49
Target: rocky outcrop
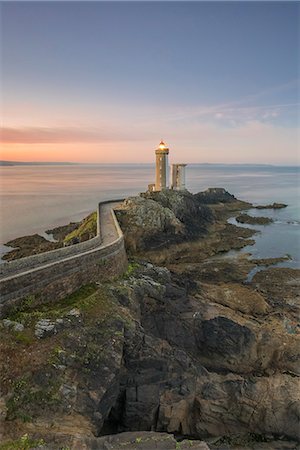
187,208
59,233
215,195
251,220
272,206
146,223
159,219
29,245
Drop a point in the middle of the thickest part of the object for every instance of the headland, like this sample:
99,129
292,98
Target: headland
177,349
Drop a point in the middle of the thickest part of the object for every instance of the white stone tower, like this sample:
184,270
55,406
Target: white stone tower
178,177
162,167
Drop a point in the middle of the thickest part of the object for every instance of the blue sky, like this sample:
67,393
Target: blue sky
100,81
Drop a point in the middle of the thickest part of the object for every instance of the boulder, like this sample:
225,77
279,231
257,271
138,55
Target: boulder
15,326
146,223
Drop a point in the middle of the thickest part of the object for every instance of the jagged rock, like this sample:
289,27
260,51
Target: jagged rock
44,328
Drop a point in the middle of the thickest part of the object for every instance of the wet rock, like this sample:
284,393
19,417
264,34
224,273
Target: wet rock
29,245
245,218
272,206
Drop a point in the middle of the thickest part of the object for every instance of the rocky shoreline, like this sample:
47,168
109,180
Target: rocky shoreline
181,352
245,218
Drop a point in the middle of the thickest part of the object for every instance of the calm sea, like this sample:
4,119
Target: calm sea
36,198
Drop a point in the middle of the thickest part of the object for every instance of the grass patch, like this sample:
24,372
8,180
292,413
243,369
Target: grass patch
23,443
86,230
25,399
24,337
131,269
25,313
243,440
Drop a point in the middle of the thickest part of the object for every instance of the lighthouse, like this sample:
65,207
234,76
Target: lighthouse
162,172
162,167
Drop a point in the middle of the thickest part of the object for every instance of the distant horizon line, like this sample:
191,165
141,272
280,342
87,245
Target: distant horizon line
9,163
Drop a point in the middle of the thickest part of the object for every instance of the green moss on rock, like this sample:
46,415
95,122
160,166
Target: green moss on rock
86,230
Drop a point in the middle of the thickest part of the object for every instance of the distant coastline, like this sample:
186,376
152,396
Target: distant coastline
33,163
68,163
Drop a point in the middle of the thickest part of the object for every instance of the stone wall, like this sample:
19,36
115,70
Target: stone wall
31,262
55,274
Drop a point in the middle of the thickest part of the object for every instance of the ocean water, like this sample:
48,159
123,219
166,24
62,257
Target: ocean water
36,198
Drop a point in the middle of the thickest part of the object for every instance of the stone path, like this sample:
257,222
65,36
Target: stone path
108,230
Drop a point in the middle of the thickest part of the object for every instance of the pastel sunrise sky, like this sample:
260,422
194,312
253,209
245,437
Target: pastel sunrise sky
102,82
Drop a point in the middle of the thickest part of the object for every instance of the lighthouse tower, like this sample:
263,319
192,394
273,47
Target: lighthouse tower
162,167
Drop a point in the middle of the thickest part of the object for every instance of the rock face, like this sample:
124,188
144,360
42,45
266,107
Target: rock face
188,208
224,336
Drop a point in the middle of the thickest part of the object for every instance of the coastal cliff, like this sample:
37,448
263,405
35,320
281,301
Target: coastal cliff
180,344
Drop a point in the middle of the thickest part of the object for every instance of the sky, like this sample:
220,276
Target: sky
103,82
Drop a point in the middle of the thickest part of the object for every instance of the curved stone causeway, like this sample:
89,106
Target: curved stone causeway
56,273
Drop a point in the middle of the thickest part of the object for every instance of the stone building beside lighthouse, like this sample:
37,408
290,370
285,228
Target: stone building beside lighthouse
162,171
178,177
